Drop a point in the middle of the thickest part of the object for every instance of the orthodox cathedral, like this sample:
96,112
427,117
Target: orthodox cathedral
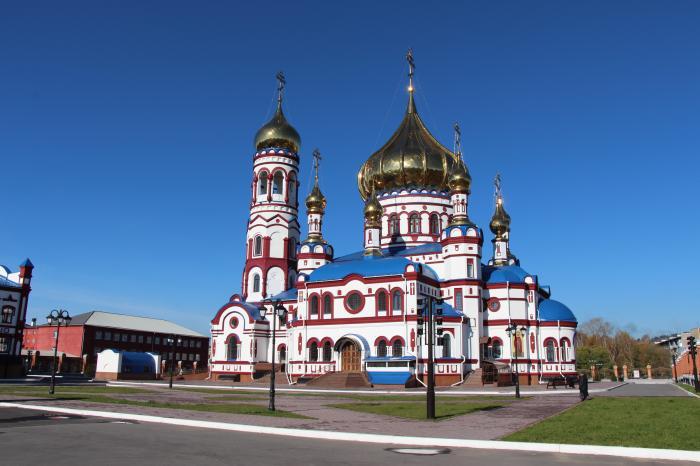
361,313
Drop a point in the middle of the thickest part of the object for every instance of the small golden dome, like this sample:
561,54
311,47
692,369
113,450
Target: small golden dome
373,211
460,181
278,133
500,222
315,201
411,158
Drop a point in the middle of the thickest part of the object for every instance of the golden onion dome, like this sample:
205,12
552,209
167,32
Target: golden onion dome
373,211
278,133
412,157
315,201
500,222
460,181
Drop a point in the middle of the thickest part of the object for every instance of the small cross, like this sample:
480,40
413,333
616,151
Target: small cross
280,85
317,161
458,139
497,184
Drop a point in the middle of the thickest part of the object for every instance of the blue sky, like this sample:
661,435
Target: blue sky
126,139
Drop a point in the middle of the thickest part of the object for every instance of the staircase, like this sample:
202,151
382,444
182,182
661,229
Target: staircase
474,379
267,375
340,380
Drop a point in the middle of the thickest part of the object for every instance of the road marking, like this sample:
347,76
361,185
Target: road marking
432,442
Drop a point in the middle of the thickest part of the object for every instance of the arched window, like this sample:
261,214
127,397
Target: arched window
327,352
396,298
292,188
394,225
257,246
381,349
282,354
292,248
314,305
434,224
8,313
497,349
564,345
551,351
277,182
446,346
381,302
327,305
232,349
414,223
262,182
256,283
313,352
397,349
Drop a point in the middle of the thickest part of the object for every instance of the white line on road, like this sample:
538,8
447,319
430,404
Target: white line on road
625,452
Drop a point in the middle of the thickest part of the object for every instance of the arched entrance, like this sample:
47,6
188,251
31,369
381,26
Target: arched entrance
350,357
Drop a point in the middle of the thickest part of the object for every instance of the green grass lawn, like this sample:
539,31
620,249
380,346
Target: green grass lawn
631,422
100,394
416,410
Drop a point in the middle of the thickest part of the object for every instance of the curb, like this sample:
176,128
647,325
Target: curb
368,392
623,452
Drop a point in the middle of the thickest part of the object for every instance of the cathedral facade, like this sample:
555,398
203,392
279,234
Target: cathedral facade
363,313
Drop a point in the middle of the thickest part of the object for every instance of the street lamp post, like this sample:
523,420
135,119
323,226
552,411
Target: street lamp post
512,331
427,307
56,317
171,341
278,312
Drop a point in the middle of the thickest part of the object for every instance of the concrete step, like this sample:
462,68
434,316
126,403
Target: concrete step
340,380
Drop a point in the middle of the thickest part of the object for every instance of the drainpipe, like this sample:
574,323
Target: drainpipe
461,344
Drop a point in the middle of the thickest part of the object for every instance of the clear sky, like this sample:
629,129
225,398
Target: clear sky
126,139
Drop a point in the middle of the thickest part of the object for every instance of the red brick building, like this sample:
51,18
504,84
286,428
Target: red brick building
92,332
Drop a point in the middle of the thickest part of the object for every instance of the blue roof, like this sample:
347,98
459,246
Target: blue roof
8,283
138,363
288,295
506,273
551,310
251,309
365,266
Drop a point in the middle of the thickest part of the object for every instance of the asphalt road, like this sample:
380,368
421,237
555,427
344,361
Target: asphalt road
37,438
646,389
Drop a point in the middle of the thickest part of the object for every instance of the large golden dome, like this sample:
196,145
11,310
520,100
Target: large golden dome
278,133
412,157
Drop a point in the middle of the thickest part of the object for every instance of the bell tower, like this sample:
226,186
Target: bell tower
273,228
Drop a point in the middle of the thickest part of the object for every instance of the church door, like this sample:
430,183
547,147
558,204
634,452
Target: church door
351,358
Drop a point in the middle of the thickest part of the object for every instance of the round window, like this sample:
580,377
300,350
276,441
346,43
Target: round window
354,301
493,304
234,322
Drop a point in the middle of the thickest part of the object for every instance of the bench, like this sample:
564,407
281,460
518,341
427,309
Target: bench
561,381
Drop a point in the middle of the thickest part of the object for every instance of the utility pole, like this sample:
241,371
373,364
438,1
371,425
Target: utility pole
431,309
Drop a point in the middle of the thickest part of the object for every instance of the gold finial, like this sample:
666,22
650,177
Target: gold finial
281,82
316,201
373,211
500,222
411,68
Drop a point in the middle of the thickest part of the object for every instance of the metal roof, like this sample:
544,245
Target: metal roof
136,323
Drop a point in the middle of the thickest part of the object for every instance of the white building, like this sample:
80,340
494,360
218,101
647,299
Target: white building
359,312
14,297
